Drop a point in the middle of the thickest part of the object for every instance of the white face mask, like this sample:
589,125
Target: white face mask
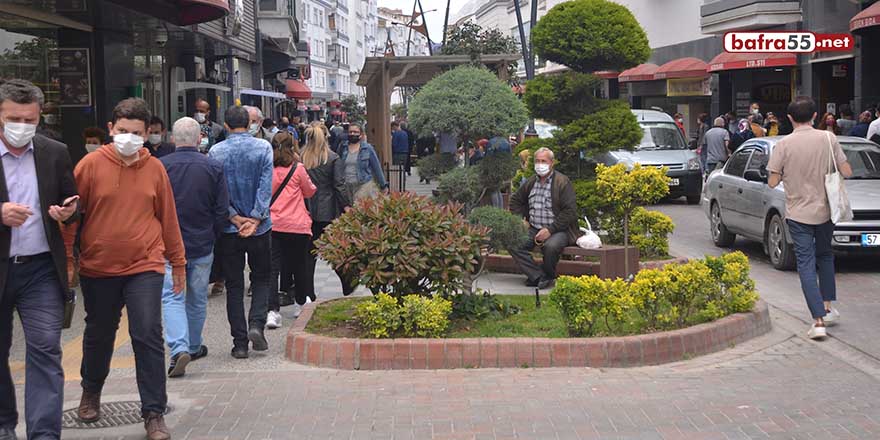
155,139
201,117
203,144
542,169
756,111
253,129
18,134
49,119
128,144
92,147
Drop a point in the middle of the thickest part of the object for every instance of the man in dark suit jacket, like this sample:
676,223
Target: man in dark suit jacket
37,190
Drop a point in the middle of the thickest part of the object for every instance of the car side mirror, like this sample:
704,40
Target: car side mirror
755,176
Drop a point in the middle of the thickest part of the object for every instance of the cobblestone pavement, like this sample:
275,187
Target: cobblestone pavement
777,386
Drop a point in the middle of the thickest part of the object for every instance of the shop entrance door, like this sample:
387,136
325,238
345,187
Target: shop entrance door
834,85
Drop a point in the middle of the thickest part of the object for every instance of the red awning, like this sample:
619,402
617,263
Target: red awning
734,61
607,74
315,108
334,104
642,72
336,112
298,90
682,68
868,18
201,11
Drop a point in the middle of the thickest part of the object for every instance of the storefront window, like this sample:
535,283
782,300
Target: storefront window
28,50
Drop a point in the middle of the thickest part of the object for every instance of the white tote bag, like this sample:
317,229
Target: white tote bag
589,240
835,189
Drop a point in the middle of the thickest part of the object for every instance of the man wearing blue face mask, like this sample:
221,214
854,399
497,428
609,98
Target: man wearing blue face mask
548,204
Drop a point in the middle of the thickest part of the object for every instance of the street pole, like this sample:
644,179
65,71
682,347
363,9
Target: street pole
427,33
446,20
528,59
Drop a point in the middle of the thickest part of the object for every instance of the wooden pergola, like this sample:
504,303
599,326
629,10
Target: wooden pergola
381,75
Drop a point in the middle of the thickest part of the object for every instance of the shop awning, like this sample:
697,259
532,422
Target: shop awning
336,112
315,108
298,90
265,93
607,74
201,11
642,72
682,68
734,61
870,17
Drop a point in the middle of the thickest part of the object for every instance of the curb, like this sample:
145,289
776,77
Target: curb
420,354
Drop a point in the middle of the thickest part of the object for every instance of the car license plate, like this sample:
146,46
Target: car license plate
870,240
673,182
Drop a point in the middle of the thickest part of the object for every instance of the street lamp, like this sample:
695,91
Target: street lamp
528,56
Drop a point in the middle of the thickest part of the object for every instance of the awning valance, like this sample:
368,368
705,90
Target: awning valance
869,17
201,11
682,68
607,74
265,93
298,90
642,72
734,61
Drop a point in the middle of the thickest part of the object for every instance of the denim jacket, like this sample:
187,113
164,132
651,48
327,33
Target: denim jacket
247,163
368,165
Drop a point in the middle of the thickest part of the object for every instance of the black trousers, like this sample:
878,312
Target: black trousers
551,249
217,266
259,257
141,295
291,252
33,289
317,232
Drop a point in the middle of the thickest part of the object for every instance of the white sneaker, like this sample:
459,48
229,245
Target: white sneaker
297,309
308,300
816,332
831,317
273,320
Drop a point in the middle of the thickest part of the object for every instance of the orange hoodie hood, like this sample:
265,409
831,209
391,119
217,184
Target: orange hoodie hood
109,152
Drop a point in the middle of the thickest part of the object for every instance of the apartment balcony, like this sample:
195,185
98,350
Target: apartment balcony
720,16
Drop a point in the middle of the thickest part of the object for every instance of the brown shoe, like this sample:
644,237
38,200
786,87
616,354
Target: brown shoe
89,407
155,426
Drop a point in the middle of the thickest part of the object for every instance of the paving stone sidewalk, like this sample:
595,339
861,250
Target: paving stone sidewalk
778,386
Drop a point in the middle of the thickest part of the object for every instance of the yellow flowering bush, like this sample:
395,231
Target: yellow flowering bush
675,296
413,316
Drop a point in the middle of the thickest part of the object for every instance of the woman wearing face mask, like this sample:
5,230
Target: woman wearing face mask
679,121
363,173
327,172
94,137
829,123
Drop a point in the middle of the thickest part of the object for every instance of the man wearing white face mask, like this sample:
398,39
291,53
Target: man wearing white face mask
255,124
213,132
37,190
130,228
548,204
156,139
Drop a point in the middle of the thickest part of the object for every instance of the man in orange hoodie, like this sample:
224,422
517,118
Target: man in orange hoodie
129,230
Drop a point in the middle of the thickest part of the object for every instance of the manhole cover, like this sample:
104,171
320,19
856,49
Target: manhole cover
112,414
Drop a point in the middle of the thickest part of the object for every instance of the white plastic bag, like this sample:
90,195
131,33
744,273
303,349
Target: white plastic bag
589,240
835,188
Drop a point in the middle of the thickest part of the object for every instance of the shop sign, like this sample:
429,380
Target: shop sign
688,87
74,77
839,70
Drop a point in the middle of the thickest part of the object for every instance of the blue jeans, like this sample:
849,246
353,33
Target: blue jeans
184,314
812,247
34,290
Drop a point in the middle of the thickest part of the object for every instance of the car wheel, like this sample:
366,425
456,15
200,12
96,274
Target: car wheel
779,249
693,200
720,235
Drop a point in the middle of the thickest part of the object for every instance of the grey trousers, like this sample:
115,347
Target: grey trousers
551,249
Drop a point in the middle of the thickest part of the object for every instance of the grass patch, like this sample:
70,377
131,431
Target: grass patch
334,318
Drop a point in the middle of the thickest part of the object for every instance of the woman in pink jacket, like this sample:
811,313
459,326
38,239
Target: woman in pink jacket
291,228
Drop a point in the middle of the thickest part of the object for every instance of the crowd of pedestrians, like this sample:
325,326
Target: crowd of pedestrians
199,203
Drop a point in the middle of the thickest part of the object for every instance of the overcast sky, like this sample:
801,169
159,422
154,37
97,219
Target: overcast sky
435,19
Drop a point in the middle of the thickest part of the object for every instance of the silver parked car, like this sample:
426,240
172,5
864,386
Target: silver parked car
738,201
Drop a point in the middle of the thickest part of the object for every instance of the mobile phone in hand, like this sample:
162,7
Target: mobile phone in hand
70,201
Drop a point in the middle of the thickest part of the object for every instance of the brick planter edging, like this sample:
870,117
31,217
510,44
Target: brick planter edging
418,354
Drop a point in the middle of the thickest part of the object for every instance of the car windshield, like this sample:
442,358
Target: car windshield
661,136
545,131
864,160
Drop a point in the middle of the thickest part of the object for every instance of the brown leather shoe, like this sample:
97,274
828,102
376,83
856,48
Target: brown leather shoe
155,426
89,407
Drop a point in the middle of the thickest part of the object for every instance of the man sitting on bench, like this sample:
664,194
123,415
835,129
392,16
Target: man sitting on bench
548,204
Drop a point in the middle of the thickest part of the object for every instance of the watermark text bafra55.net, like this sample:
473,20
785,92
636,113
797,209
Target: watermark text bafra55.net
792,42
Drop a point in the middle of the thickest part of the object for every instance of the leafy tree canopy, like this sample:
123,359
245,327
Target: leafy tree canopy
471,39
468,101
613,128
562,98
355,112
591,35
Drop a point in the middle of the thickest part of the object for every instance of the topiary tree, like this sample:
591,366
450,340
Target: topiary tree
469,102
586,36
471,39
506,230
624,191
